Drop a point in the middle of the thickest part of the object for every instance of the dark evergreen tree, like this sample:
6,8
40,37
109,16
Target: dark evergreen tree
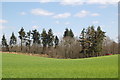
22,36
13,40
66,33
88,40
92,40
56,41
71,33
36,40
28,39
44,39
36,37
83,41
100,35
50,38
4,43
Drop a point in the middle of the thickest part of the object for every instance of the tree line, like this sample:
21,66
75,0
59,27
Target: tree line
91,42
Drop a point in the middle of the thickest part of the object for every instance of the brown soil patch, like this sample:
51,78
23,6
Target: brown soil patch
30,54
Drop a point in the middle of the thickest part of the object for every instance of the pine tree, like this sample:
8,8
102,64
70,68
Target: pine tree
13,40
44,39
88,41
50,38
71,33
28,39
56,41
91,41
36,37
22,36
100,35
82,41
66,33
4,43
36,40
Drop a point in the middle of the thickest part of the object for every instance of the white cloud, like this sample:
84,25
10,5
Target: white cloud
95,14
85,13
102,1
23,13
3,21
71,2
35,27
80,2
64,15
95,22
41,12
82,13
45,1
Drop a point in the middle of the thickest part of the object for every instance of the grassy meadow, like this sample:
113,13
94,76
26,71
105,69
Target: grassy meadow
24,66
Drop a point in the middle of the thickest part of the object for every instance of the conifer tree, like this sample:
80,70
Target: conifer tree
28,39
13,40
4,43
66,33
71,33
100,35
22,36
82,41
56,41
50,38
44,39
36,37
92,40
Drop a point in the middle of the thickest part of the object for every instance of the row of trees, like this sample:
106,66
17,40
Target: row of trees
90,43
35,38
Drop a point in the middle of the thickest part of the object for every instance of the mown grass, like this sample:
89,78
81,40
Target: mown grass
24,66
0,66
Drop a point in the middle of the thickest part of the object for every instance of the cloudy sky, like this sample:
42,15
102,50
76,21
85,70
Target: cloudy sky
59,15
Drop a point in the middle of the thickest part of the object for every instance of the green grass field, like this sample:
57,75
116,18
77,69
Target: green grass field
24,66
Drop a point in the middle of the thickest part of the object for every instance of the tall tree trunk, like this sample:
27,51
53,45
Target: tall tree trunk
44,48
29,48
26,50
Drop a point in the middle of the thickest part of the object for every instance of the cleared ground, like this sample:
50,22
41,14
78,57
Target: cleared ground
24,66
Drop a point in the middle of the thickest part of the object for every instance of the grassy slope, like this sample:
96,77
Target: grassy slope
23,66
0,66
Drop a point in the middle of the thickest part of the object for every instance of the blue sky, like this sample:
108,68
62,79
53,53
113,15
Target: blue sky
58,16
